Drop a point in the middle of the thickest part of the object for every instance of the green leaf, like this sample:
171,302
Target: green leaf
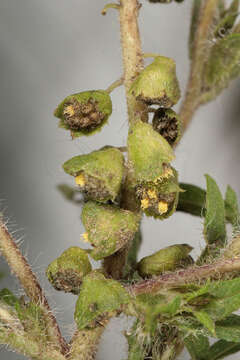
214,225
226,298
197,346
231,206
223,65
98,296
227,21
205,319
221,349
229,328
135,350
192,200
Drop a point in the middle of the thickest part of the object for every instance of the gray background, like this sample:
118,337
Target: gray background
49,49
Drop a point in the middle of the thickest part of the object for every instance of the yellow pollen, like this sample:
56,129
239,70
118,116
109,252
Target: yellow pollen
80,180
69,110
85,237
162,207
144,203
152,194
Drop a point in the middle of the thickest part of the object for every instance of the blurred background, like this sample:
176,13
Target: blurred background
50,49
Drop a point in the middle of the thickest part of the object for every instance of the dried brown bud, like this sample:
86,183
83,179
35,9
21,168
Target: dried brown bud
167,123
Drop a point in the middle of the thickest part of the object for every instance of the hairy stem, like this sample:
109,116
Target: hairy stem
199,56
29,282
132,65
132,55
84,344
193,274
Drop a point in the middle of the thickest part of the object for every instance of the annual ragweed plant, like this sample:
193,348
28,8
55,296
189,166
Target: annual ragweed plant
175,301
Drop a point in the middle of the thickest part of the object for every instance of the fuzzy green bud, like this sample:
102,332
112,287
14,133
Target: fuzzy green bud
157,83
167,259
168,124
84,113
108,228
98,174
148,153
68,270
98,298
160,199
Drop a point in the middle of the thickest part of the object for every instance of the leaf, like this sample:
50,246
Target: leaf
229,328
135,350
192,200
226,298
98,296
197,346
205,319
214,225
221,349
222,66
231,206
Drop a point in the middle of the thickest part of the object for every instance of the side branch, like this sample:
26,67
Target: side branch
29,282
200,50
190,275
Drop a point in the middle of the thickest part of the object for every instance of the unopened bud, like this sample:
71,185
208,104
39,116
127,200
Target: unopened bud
167,259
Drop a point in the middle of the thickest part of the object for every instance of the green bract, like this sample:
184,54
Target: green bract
84,113
167,259
108,228
99,173
159,199
98,297
157,83
148,152
168,124
67,271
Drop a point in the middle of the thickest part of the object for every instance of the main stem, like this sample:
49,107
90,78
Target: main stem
132,66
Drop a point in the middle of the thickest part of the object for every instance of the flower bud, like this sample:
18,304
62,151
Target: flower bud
167,259
168,124
160,199
98,298
148,153
84,113
108,228
99,174
68,270
157,83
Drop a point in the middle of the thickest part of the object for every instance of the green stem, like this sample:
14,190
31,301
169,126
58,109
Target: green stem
114,85
110,6
29,282
194,274
84,344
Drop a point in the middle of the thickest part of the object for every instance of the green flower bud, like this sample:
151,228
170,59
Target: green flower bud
168,124
84,113
68,270
148,153
167,259
108,228
157,83
160,199
98,298
99,174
